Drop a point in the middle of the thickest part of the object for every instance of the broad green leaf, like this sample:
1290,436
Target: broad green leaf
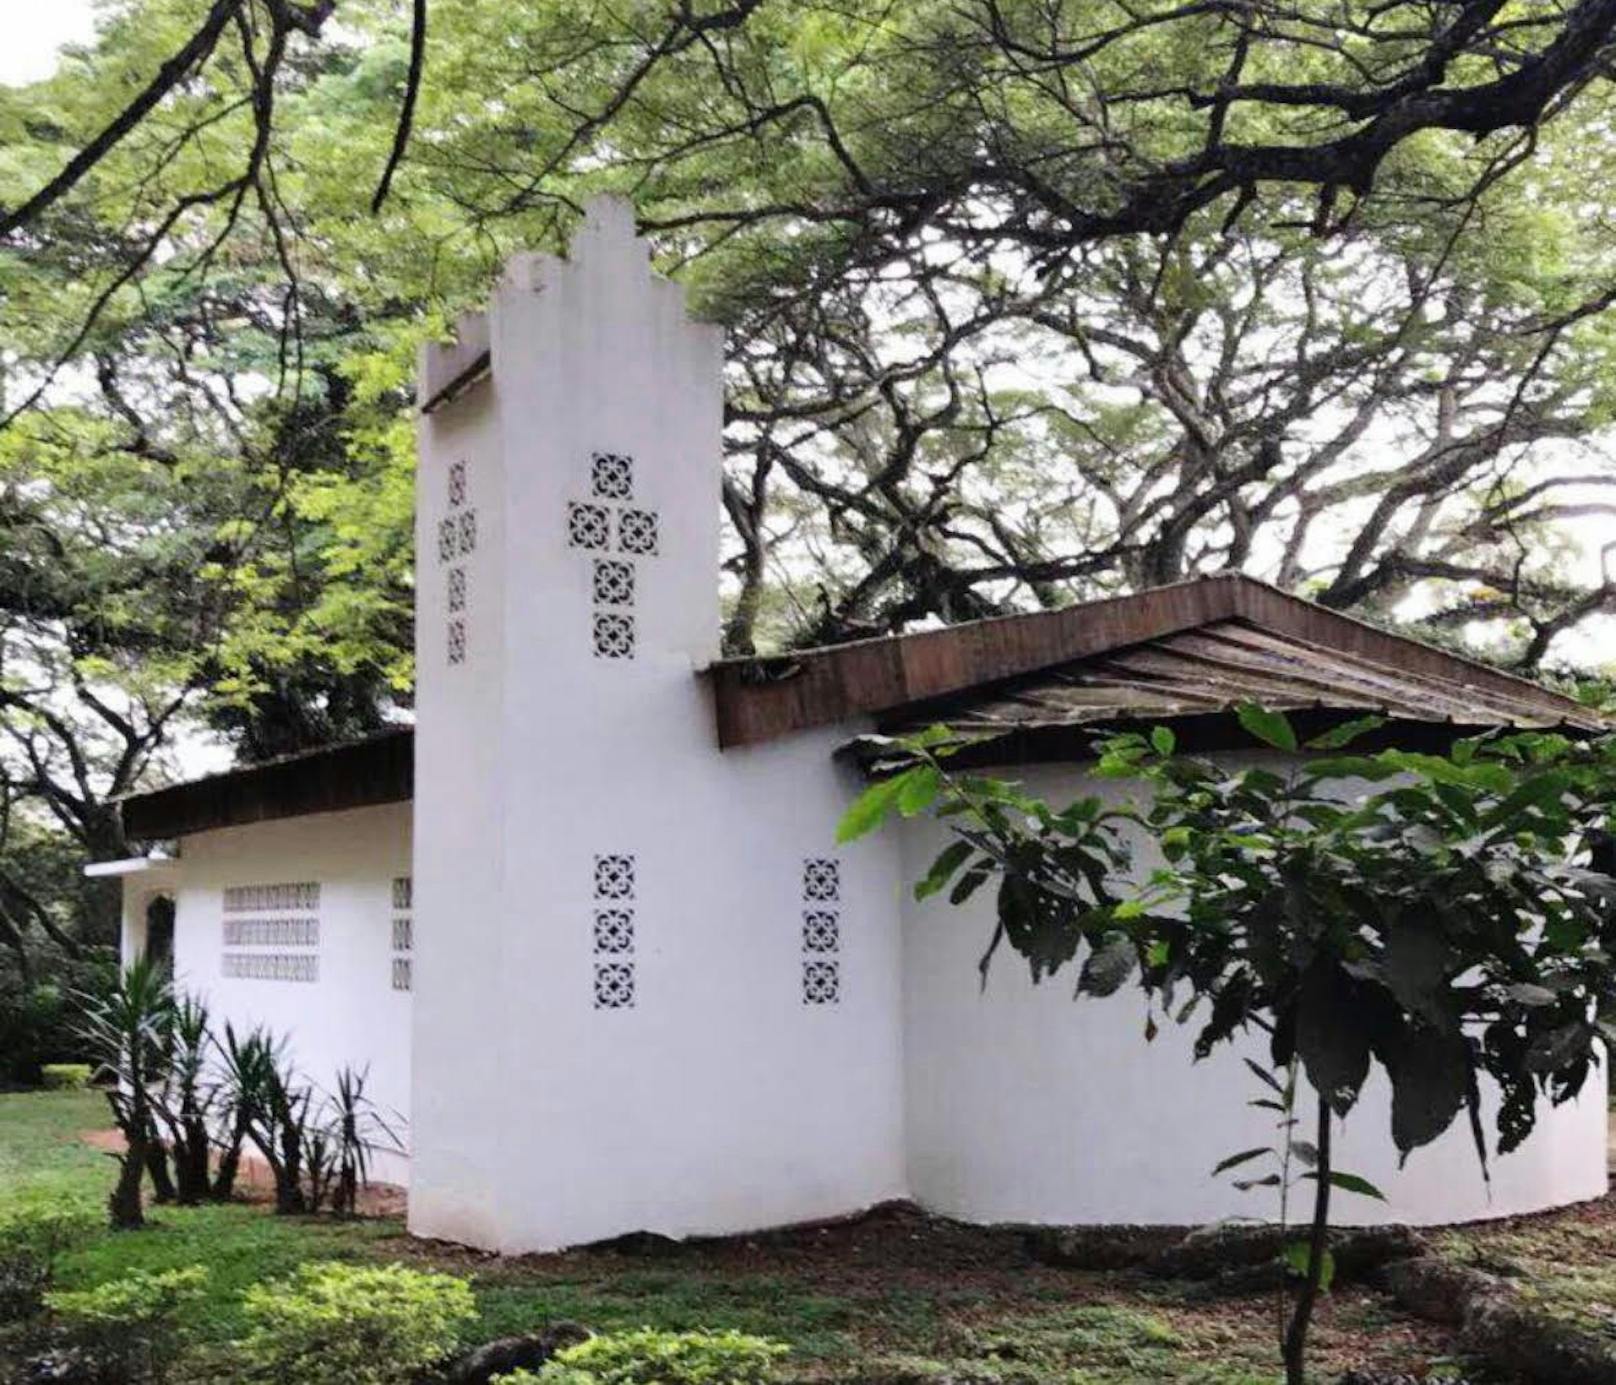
869,810
949,860
1272,728
1346,733
1163,740
920,789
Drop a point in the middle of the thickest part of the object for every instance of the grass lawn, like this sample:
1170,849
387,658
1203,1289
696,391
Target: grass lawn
895,1296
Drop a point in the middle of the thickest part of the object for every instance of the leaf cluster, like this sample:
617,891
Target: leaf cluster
1450,917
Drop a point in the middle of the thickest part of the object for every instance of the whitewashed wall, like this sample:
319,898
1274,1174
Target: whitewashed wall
460,1102
1027,1105
622,1019
552,1107
351,1014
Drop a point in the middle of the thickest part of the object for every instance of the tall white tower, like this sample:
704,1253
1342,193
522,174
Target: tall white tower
610,1030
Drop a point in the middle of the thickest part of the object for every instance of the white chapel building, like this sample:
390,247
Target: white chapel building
588,925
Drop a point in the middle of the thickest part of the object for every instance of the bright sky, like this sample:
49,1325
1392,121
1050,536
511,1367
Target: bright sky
34,31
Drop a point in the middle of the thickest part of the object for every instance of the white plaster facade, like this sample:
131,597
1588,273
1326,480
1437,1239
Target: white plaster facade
573,816
349,1012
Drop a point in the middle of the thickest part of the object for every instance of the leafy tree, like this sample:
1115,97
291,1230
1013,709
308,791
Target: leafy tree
1314,287
1027,302
1448,917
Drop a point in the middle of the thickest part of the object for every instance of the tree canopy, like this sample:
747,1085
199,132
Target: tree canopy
1026,301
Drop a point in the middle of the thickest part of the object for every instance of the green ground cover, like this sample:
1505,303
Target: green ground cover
896,1296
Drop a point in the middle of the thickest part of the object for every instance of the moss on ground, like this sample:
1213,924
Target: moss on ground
1562,1262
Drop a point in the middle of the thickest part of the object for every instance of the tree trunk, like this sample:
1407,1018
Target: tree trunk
157,1162
1317,1248
224,1181
123,1205
191,1158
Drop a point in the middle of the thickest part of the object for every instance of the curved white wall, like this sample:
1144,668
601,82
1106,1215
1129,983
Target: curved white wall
1026,1105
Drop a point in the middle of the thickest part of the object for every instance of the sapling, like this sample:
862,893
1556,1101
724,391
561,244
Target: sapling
1438,914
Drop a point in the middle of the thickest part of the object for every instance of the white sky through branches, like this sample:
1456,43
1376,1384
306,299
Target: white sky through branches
31,32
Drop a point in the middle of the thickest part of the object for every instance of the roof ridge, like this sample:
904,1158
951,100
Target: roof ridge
761,697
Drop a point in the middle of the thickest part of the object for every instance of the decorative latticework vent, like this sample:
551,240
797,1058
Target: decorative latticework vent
614,636
403,969
615,887
588,526
614,985
611,476
821,879
277,932
302,896
457,541
821,983
637,532
614,930
821,931
290,923
591,525
272,966
614,877
614,582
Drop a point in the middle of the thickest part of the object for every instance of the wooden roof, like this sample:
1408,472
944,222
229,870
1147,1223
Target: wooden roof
1184,654
1182,650
359,774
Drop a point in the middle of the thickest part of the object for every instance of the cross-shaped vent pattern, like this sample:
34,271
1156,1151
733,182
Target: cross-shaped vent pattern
592,525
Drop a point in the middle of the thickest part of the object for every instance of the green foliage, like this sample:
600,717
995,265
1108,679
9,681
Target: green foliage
135,1301
337,1324
131,1329
65,1076
1445,916
1336,905
41,1015
649,1357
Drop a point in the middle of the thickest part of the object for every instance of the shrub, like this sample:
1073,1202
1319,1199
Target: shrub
65,1077
31,1239
335,1324
24,1277
131,1328
648,1357
39,1018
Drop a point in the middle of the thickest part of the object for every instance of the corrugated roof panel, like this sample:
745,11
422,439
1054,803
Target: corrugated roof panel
1224,663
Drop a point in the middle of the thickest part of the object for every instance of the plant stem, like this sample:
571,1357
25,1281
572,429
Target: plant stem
1318,1245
